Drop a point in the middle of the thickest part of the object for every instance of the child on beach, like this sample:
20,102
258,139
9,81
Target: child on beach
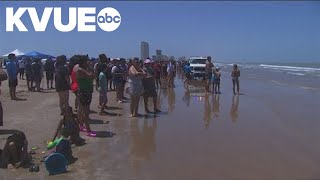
187,71
64,146
103,88
15,151
217,76
70,122
235,74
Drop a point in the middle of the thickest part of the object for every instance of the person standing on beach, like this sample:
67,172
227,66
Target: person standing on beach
1,109
73,65
135,86
187,71
149,87
117,74
29,75
21,65
170,71
62,82
124,68
109,74
37,73
157,71
216,81
49,69
235,74
12,75
85,81
103,89
209,66
97,67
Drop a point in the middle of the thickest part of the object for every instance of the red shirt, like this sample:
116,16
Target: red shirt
74,83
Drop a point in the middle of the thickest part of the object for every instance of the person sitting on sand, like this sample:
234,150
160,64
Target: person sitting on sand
71,123
15,151
103,88
64,146
235,74
217,76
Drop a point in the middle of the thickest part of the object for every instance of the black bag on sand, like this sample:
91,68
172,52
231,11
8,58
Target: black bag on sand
3,75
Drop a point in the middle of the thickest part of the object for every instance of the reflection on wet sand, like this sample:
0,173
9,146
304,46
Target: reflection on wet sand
207,111
234,108
171,99
143,141
216,105
187,97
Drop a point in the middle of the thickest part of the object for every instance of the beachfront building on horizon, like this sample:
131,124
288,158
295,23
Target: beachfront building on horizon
144,50
159,56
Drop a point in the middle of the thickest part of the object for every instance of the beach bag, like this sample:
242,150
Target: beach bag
3,75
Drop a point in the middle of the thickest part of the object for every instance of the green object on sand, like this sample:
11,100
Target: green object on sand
34,148
54,143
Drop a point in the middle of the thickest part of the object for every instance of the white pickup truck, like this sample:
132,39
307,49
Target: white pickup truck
198,67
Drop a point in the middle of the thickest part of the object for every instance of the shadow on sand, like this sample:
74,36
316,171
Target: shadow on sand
113,108
111,114
20,99
98,121
7,131
105,134
93,112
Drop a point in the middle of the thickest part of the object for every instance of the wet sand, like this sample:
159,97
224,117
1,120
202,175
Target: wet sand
269,132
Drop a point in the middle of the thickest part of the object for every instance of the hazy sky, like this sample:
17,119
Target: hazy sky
228,31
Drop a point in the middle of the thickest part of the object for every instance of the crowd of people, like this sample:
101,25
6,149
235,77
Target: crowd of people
81,76
136,77
213,76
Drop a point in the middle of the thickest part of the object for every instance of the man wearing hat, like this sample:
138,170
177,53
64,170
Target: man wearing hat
149,86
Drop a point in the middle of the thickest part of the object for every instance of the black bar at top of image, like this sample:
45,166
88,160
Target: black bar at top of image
156,0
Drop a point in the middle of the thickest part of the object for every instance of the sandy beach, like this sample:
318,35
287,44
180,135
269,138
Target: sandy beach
269,132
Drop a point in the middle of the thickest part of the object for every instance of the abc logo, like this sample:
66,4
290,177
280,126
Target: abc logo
109,19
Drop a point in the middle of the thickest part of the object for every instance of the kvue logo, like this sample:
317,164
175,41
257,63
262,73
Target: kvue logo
108,19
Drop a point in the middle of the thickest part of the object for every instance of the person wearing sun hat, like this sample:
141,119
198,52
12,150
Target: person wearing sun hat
149,86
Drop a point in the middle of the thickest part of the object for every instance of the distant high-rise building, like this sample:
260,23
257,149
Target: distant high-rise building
159,55
158,52
154,57
144,50
171,57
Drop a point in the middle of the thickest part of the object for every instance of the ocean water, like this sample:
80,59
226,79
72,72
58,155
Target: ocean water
298,75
